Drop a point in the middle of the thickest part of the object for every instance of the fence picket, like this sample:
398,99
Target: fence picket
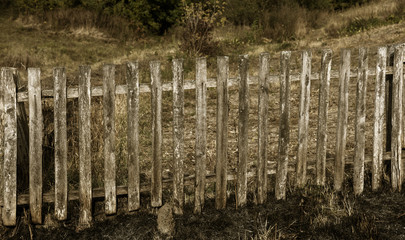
222,132
284,136
156,96
85,191
378,133
305,88
35,144
133,136
264,69
342,119
201,133
61,194
9,212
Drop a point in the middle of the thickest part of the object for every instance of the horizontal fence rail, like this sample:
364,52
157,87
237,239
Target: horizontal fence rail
280,166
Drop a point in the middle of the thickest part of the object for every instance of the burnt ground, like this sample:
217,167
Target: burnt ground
310,213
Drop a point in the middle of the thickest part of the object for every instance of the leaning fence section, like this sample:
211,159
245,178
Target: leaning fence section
388,105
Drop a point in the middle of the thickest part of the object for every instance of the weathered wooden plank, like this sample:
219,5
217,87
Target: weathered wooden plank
85,188
261,181
243,130
379,109
178,136
222,132
284,136
35,144
201,133
2,79
342,119
360,131
323,104
133,136
396,137
305,93
9,211
156,96
109,139
60,131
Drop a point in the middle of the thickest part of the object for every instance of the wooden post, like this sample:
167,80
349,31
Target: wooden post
284,137
156,95
243,130
85,191
342,119
35,143
323,104
360,138
178,136
201,132
264,69
9,194
61,184
396,137
109,139
133,136
305,94
379,118
222,132
2,80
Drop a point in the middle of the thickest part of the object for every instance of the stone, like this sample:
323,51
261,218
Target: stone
165,220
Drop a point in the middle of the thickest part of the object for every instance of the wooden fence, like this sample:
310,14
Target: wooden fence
84,92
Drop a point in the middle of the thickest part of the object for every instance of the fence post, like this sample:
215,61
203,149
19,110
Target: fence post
264,69
379,117
201,132
109,139
156,95
396,137
344,79
35,143
243,130
305,94
222,132
61,196
362,75
323,104
85,192
178,135
133,135
9,183
284,137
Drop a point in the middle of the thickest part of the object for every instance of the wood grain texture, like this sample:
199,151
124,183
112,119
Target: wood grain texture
133,135
343,107
284,136
222,132
323,105
60,131
201,133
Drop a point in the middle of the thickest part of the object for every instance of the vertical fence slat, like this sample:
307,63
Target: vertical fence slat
9,212
133,136
2,92
323,104
264,68
222,132
85,192
343,107
156,95
201,132
305,93
35,144
243,130
379,118
396,137
358,168
109,139
284,136
60,143
178,135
